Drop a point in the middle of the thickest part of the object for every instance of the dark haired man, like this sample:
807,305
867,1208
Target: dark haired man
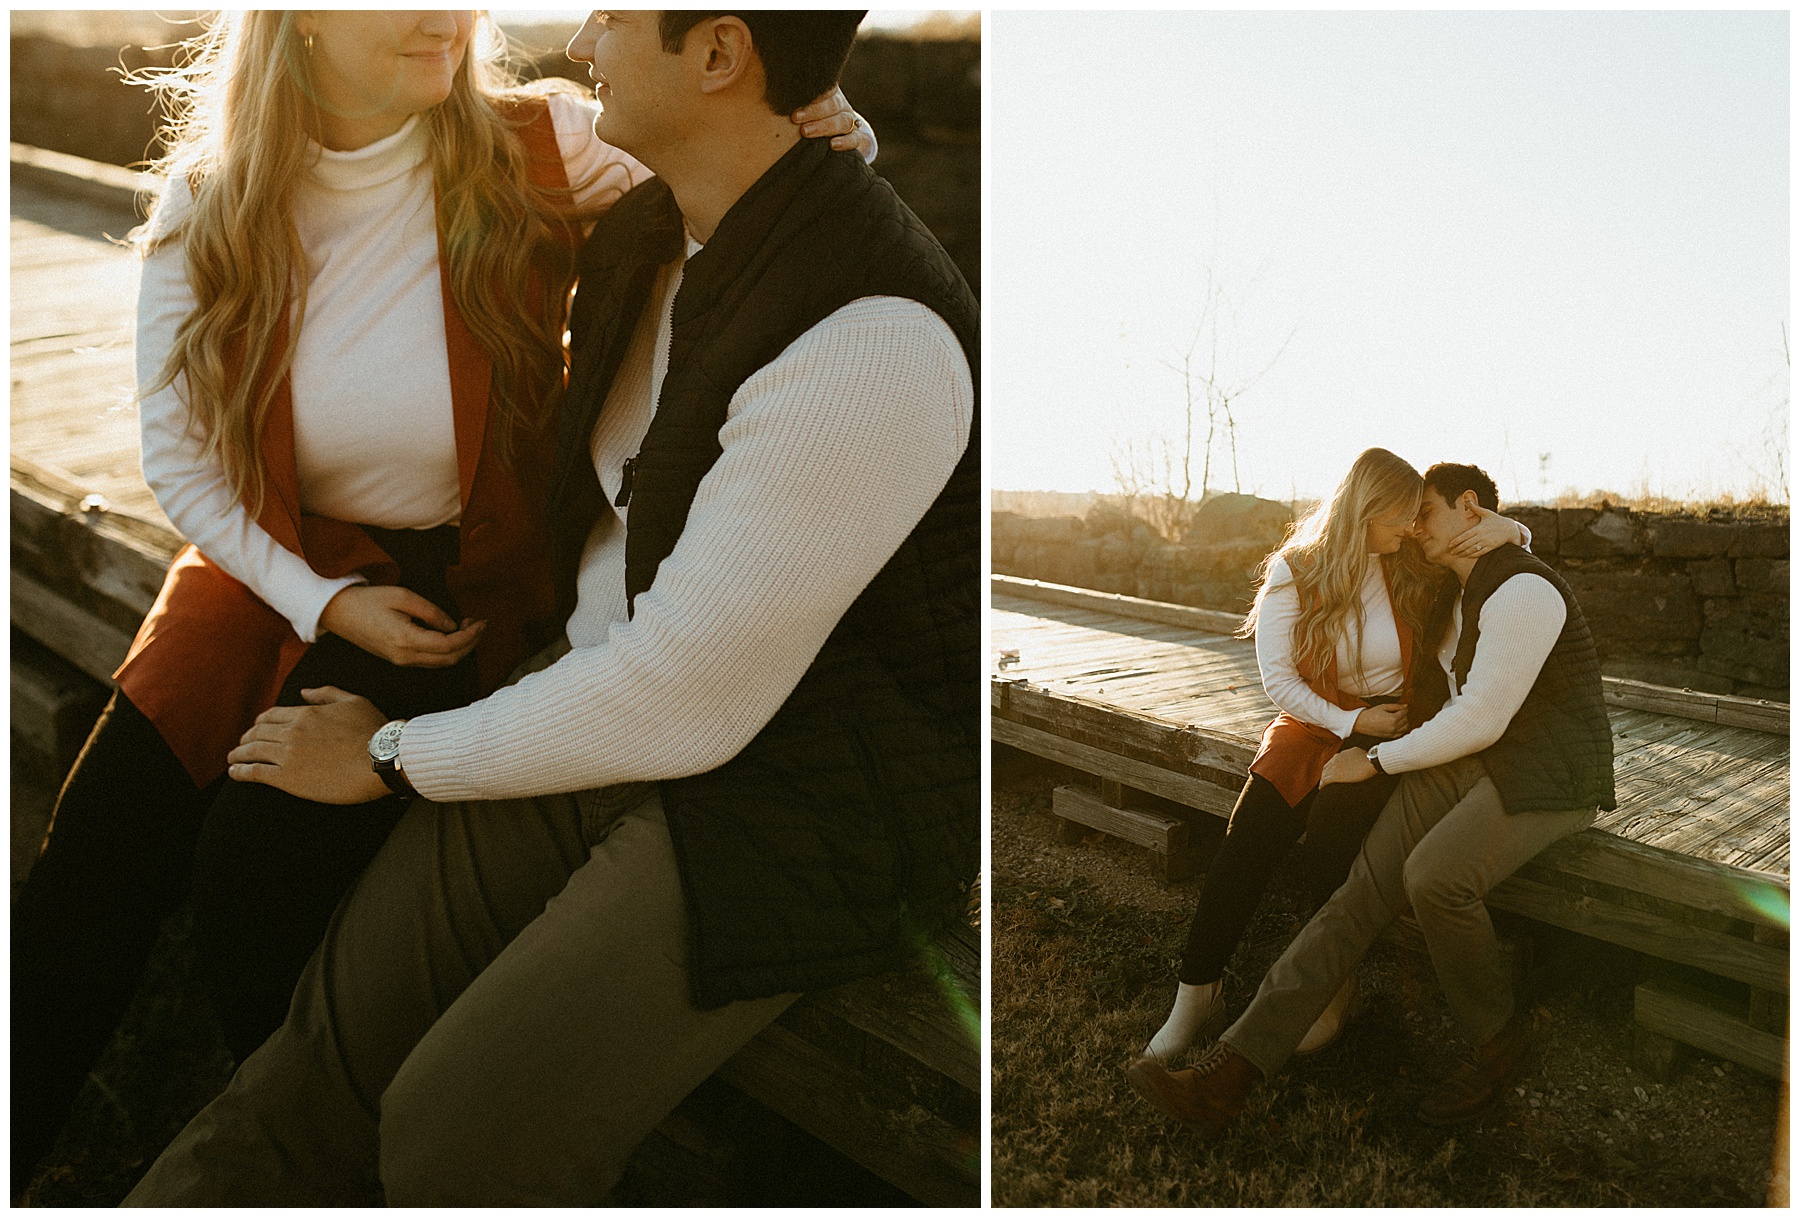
765,529
1519,755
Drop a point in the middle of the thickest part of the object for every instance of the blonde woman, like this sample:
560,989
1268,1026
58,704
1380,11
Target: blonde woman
1338,621
350,359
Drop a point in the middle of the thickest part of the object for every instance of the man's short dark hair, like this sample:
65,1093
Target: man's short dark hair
1451,481
802,50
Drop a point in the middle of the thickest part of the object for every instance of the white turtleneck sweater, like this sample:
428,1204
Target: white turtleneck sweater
1368,661
374,434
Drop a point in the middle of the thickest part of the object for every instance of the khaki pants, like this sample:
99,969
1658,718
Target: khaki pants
1441,845
498,1015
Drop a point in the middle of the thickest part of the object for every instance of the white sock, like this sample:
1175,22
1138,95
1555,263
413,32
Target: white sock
1192,1005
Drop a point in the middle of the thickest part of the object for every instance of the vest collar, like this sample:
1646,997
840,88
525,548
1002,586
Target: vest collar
776,205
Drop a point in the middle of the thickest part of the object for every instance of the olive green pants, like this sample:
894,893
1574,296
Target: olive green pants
1440,845
498,1014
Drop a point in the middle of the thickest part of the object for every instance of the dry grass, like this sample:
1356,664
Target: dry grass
1725,507
1084,947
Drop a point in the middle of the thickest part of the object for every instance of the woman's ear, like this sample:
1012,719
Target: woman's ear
306,23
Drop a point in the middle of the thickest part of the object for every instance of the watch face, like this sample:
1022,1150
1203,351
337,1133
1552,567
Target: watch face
386,742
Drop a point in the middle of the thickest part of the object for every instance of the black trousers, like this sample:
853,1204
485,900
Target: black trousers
1263,828
131,836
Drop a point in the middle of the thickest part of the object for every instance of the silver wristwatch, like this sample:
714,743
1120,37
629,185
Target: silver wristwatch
1373,759
384,757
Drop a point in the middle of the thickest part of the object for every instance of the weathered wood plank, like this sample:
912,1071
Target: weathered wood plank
90,643
1739,959
1212,620
1195,793
898,1140
1706,1022
936,1022
107,553
1758,713
1684,880
53,708
1187,747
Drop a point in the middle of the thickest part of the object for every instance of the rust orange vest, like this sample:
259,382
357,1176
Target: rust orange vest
1293,754
212,655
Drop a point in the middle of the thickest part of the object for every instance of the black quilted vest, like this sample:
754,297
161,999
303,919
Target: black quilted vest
1556,754
848,828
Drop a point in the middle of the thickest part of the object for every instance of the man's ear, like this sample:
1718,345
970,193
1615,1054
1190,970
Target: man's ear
1466,503
728,53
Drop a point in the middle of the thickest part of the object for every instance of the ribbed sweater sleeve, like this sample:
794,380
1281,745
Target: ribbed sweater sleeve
1520,623
831,455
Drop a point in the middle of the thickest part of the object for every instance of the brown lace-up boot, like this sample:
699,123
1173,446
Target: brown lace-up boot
1207,1096
1480,1079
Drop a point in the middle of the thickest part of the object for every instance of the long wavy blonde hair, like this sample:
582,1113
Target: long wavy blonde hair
1327,553
241,110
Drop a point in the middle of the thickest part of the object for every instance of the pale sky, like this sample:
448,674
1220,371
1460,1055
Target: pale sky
1491,235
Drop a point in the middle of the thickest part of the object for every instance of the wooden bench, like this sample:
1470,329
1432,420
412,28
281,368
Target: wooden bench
887,1071
1691,868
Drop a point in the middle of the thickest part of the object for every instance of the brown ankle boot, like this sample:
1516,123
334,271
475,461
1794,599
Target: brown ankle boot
1207,1096
1480,1079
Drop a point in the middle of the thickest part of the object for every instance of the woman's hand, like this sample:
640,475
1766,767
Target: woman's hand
1351,765
385,620
832,116
319,751
1382,722
1490,531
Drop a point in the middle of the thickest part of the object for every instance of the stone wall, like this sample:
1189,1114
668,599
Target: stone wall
1695,602
922,96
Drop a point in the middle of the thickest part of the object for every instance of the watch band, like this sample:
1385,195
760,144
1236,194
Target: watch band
1375,759
384,758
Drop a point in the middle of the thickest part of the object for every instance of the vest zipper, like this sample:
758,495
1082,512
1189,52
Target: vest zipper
625,473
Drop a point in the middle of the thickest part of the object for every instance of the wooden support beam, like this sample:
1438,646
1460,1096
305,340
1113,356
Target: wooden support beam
1733,891
1167,836
1195,793
1708,1023
54,706
906,1145
1198,752
1162,834
1741,959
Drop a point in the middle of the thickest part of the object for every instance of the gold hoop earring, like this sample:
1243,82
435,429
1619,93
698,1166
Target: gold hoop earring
309,39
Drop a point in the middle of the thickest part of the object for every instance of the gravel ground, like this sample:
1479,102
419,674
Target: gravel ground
1582,1127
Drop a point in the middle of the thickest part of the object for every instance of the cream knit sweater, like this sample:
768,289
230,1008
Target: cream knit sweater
1520,622
831,454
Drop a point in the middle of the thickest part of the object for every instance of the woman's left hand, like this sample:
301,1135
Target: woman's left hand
1491,531
832,116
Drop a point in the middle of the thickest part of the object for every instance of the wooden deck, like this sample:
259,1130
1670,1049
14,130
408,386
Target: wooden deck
1692,866
887,1071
